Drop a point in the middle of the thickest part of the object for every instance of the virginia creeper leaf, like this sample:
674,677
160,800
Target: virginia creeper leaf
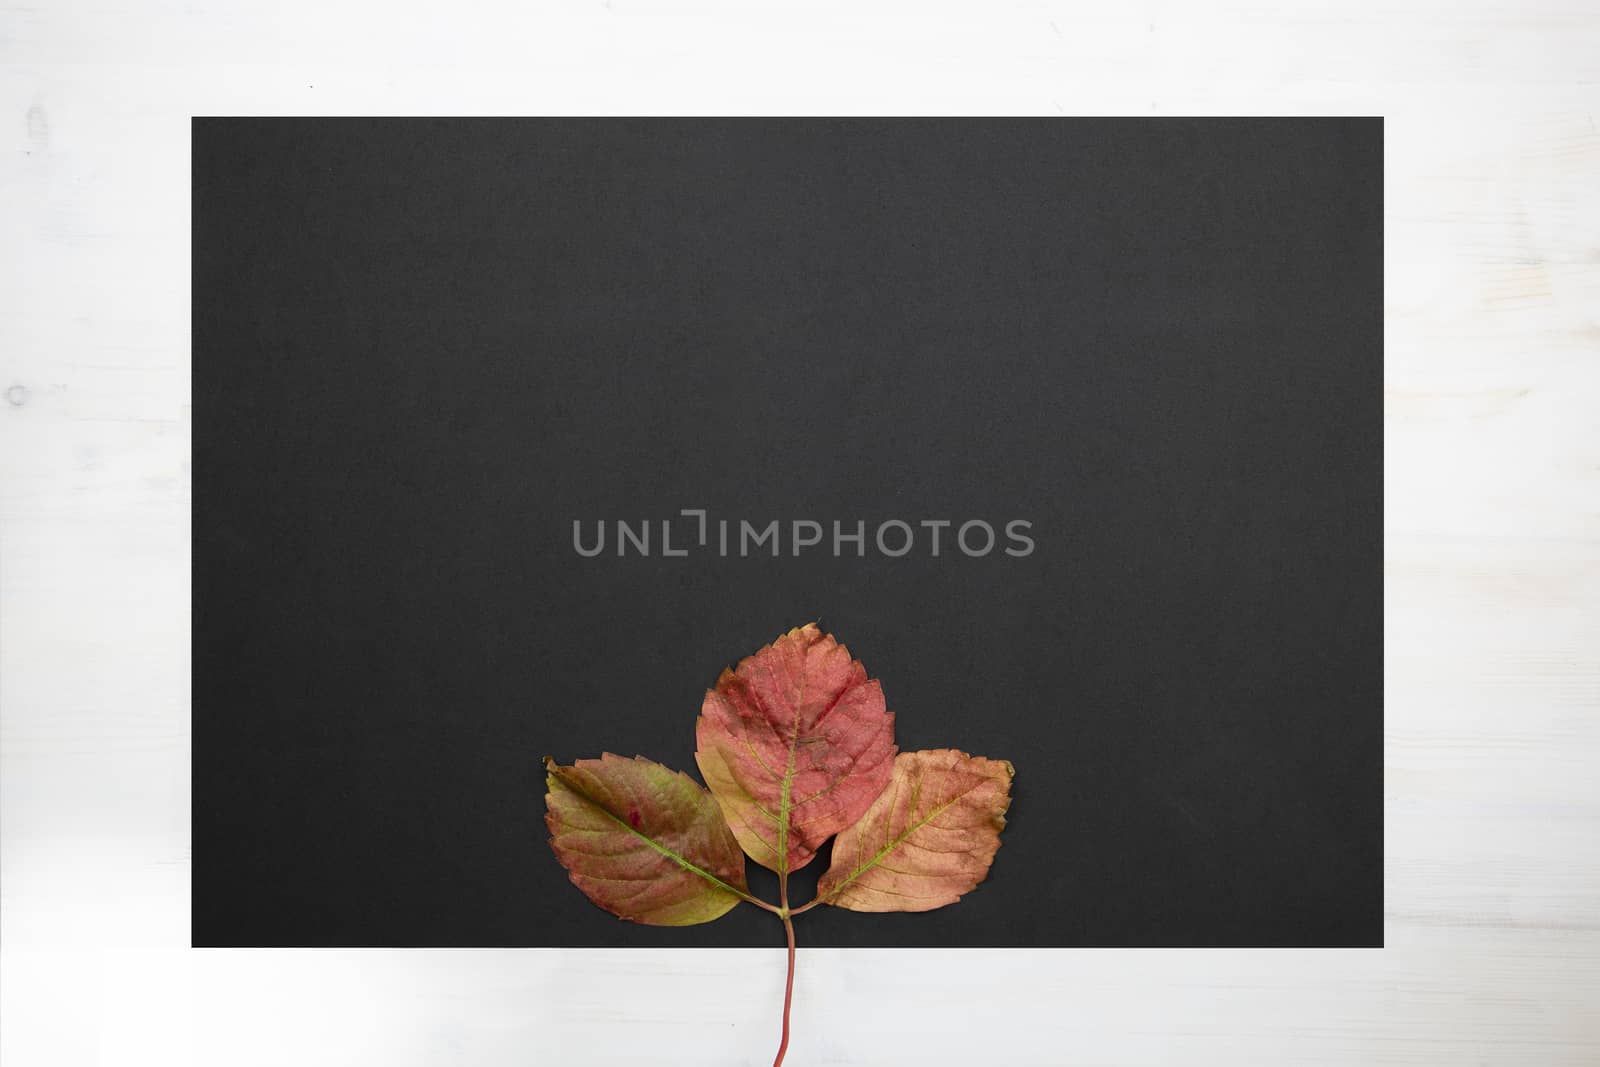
795,744
643,842
927,840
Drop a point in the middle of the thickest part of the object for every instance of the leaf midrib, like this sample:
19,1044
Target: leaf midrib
788,776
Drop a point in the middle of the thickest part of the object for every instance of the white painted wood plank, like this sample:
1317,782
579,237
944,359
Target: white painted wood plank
1492,487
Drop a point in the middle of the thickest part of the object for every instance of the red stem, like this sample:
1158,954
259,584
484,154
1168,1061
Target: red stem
788,984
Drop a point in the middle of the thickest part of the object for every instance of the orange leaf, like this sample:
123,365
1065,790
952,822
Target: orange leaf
927,840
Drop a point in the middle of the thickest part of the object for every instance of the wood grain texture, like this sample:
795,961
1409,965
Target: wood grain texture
1492,487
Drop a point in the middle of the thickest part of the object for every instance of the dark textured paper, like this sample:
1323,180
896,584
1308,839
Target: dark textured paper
422,349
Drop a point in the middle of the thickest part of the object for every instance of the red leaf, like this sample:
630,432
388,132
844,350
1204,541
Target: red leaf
795,744
644,842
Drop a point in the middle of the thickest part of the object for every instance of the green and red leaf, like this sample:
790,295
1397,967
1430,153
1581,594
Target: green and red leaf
643,842
796,744
928,840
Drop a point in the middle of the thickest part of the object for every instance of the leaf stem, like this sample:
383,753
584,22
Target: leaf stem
758,902
788,983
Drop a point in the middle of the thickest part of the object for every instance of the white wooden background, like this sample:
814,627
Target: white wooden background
1492,551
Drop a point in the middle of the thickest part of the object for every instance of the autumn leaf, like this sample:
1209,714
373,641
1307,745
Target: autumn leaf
929,839
643,842
795,744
